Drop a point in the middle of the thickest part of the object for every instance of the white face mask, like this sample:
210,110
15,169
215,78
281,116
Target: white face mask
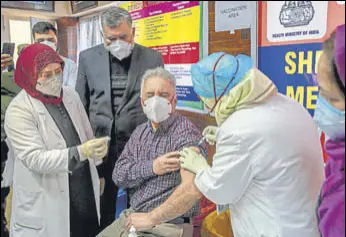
157,109
120,49
51,86
50,44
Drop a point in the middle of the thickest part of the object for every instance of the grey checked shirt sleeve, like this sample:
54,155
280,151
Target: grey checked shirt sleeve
190,135
129,171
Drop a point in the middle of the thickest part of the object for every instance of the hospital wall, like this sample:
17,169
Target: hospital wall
176,29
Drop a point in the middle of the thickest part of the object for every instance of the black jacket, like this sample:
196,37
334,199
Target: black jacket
94,88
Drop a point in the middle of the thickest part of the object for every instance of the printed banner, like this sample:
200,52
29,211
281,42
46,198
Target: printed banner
291,60
173,29
296,20
291,69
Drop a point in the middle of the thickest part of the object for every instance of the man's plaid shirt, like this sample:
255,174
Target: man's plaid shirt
134,168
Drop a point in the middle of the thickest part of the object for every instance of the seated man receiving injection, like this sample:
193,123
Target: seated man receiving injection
149,166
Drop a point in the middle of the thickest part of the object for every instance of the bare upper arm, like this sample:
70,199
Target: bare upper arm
188,181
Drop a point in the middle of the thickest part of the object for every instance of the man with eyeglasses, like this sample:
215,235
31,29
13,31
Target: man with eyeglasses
109,86
45,33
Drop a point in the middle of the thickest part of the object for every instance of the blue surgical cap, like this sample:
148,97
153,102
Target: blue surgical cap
202,73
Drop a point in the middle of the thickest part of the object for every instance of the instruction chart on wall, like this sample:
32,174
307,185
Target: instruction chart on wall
159,27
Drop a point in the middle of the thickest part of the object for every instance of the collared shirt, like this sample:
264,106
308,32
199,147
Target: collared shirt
134,168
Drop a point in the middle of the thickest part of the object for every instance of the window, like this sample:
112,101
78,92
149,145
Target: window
20,33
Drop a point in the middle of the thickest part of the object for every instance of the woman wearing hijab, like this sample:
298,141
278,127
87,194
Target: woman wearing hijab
56,188
330,116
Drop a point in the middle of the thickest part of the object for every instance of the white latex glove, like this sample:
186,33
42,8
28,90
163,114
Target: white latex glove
192,161
210,134
95,149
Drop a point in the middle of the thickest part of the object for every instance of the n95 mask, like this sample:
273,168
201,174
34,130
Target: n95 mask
51,86
120,49
157,109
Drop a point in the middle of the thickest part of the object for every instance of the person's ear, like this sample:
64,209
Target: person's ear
34,38
174,103
133,35
175,99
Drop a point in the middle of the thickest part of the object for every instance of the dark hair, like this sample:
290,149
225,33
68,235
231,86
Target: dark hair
42,27
328,49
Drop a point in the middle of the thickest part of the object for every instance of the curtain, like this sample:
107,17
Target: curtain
89,33
67,37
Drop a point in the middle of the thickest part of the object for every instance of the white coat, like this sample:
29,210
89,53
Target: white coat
269,167
40,205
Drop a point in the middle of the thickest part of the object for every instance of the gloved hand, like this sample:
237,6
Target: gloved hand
210,134
94,149
192,161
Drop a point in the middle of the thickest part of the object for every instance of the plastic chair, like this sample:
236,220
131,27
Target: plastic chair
121,203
